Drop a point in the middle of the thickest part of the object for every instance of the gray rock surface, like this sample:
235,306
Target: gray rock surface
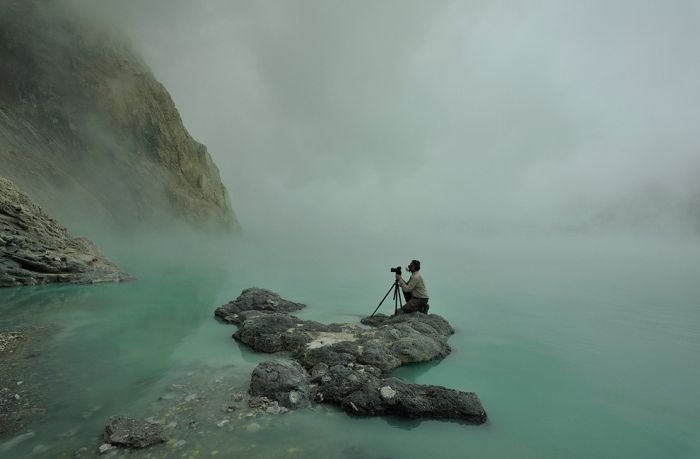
359,391
84,122
347,364
35,249
132,433
256,301
412,339
284,381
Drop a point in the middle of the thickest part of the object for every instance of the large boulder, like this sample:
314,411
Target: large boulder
255,299
272,333
284,381
35,249
359,391
132,433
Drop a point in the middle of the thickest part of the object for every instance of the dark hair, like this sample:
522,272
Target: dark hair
416,264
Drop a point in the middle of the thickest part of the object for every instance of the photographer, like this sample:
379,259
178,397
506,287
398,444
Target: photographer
414,290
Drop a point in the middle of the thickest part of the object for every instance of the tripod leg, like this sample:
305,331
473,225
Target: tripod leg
380,303
397,298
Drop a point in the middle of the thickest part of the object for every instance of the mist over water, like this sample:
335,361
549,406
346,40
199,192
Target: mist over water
539,158
474,117
577,348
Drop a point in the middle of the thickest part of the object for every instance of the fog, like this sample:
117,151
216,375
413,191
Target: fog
441,118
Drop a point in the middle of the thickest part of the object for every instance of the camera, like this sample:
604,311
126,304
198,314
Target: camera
396,270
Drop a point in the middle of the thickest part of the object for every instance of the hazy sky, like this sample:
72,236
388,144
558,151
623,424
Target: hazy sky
443,116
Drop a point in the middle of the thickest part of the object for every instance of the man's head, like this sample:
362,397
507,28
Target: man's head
414,266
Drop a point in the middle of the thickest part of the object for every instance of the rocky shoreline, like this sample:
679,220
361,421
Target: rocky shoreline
20,389
35,249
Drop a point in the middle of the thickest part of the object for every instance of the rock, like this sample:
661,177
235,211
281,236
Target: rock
387,392
275,408
259,402
87,129
418,320
385,347
42,245
271,333
104,447
348,364
284,381
131,433
256,299
366,395
180,444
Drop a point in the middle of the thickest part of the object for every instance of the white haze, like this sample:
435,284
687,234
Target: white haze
441,118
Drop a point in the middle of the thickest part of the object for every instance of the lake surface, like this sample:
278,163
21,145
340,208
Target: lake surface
577,347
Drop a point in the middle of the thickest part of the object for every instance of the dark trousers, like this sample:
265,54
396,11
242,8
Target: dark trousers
416,305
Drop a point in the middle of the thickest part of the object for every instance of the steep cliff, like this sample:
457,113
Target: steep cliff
88,131
35,249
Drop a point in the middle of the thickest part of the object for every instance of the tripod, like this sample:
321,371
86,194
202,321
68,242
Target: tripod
397,298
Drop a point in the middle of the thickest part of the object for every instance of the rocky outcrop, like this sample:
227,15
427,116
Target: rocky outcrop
131,433
409,338
35,249
348,365
89,132
255,299
359,391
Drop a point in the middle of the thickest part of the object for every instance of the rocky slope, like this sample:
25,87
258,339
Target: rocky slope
88,131
35,249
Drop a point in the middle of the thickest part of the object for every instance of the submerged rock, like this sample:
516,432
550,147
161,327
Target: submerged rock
35,249
347,365
132,433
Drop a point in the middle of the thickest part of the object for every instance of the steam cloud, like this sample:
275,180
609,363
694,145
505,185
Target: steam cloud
451,117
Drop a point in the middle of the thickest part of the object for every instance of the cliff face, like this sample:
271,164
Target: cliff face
35,249
87,130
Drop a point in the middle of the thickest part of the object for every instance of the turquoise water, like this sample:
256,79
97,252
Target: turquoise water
578,348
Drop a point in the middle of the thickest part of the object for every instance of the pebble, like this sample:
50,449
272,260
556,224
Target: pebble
254,427
104,447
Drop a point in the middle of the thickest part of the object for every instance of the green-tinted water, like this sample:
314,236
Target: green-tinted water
577,349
